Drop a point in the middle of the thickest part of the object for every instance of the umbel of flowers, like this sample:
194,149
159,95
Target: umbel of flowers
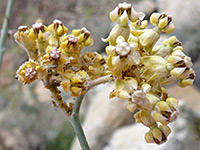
142,69
138,67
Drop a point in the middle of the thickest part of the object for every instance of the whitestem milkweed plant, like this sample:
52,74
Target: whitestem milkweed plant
138,68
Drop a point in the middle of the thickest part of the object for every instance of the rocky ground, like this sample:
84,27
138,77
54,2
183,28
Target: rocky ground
29,122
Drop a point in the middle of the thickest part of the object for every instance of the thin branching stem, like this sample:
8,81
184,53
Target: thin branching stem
75,120
74,117
4,30
98,81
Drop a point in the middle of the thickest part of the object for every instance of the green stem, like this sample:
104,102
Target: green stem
74,118
4,30
98,81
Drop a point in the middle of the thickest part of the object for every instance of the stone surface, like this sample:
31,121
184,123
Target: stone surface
9,141
196,67
130,138
103,117
145,6
190,96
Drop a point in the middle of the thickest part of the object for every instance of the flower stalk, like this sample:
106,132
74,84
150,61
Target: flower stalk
4,30
74,117
98,81
75,121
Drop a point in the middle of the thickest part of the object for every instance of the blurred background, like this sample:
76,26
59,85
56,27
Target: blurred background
28,121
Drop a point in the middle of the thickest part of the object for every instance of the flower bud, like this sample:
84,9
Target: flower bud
154,18
188,62
132,83
131,107
163,106
161,51
173,59
172,40
134,15
59,30
120,39
124,18
185,74
149,38
165,130
169,28
145,118
178,48
116,62
172,102
76,80
32,35
166,111
177,71
158,117
178,53
157,134
152,98
187,82
149,137
123,94
155,67
88,42
110,50
163,22
144,24
114,15
146,88
29,72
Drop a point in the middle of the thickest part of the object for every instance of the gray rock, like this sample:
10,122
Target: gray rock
9,140
190,96
145,6
130,138
197,71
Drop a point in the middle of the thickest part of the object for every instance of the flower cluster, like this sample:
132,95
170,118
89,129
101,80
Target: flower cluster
55,58
141,68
